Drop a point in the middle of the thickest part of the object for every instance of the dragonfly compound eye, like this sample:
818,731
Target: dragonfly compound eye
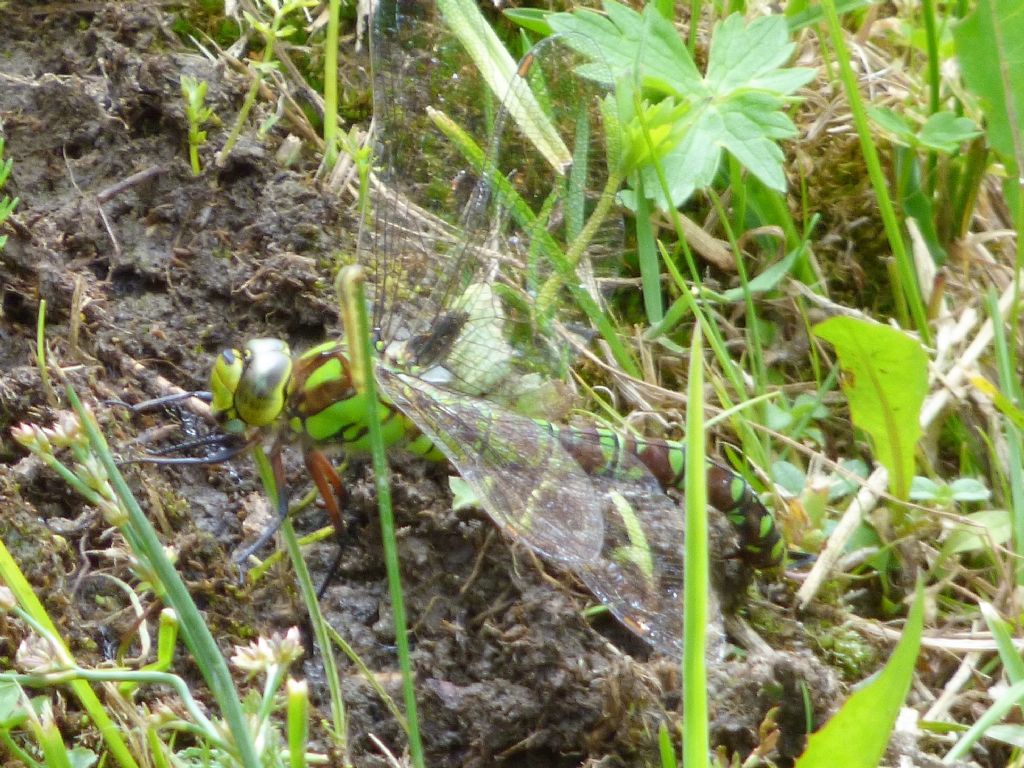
248,387
224,378
260,394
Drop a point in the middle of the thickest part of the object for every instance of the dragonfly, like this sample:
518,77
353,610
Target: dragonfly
469,367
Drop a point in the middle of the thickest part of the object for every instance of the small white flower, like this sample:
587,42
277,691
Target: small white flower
266,653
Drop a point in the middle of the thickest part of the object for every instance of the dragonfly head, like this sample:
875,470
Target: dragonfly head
249,385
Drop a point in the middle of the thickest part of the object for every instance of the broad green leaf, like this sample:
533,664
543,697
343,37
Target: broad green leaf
990,48
942,131
11,713
82,757
885,378
463,495
893,123
982,531
857,734
924,489
789,476
946,131
966,489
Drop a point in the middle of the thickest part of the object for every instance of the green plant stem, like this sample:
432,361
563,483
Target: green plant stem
175,683
575,252
243,114
44,373
323,638
351,281
905,267
331,83
695,575
193,628
931,36
752,325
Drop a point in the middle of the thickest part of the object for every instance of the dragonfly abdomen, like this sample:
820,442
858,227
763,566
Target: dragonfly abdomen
602,451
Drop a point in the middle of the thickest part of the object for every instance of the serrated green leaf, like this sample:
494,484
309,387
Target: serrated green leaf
885,379
856,736
621,38
741,53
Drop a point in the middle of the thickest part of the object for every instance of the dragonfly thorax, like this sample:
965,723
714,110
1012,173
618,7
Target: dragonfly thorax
249,386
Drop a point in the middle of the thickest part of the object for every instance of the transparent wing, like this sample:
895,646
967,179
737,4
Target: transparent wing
529,486
639,572
449,213
615,528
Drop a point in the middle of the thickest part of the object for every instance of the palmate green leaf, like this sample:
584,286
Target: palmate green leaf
749,56
856,735
736,107
885,378
626,38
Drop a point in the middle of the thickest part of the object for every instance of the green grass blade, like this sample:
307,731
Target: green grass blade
194,630
321,631
500,72
15,580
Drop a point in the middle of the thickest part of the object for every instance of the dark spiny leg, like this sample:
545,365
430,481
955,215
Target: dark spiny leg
332,491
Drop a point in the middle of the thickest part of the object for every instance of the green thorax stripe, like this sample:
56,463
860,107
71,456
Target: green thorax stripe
325,407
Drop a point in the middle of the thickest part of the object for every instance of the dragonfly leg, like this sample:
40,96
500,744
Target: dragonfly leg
277,466
332,491
159,402
330,486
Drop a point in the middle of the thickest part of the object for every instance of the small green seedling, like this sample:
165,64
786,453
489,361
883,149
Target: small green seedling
197,113
7,204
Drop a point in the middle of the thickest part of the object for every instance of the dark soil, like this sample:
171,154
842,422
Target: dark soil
169,268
